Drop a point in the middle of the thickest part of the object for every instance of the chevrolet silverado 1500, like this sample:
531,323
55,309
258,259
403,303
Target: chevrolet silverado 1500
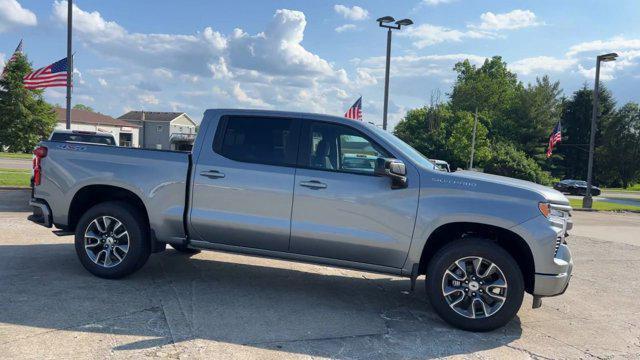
317,189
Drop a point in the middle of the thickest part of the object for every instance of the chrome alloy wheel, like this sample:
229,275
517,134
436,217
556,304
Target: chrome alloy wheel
474,287
106,241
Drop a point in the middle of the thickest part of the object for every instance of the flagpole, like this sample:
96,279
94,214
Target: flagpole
69,60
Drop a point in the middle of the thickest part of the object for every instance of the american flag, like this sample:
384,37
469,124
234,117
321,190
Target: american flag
556,137
355,111
48,76
13,57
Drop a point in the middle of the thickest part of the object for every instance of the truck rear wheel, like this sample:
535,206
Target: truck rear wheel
474,284
112,240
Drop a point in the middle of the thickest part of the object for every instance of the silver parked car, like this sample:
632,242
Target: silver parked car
318,189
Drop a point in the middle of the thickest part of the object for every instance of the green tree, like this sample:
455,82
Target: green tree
25,118
425,129
491,88
618,156
83,107
576,124
507,160
459,143
535,111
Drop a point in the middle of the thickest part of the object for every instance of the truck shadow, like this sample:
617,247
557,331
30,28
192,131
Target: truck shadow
237,300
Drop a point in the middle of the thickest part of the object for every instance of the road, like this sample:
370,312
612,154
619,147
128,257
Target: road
217,305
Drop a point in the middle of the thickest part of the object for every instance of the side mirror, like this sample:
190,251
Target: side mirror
393,168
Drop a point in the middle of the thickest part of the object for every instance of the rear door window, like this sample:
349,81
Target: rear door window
262,140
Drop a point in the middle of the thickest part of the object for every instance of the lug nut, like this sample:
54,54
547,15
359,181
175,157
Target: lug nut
474,294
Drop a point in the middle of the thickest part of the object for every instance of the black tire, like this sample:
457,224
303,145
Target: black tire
486,249
136,226
184,249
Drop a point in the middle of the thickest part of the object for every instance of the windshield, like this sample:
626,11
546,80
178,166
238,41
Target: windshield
86,138
412,153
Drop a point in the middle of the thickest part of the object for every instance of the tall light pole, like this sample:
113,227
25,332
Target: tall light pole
69,59
587,201
384,22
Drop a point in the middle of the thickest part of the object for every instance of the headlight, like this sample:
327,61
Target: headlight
547,211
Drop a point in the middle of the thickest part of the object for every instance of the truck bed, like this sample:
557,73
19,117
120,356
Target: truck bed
157,177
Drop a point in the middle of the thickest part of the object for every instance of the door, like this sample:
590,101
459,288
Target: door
243,183
341,210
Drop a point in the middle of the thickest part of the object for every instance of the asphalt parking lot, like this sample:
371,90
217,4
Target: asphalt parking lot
216,305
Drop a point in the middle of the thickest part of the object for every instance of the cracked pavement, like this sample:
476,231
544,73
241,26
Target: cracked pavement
218,305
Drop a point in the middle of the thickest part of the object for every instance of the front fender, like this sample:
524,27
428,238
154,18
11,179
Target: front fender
442,207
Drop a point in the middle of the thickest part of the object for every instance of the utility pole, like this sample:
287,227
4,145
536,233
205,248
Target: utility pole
386,81
69,60
587,201
384,23
473,139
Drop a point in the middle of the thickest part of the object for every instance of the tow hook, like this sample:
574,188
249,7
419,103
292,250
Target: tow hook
537,302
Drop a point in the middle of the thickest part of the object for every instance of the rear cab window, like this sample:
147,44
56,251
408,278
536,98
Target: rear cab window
260,140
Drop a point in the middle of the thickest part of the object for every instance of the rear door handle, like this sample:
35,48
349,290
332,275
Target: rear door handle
313,184
212,174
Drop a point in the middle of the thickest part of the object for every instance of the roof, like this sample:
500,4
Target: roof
88,117
150,116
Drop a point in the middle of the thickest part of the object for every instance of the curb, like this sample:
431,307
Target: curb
14,188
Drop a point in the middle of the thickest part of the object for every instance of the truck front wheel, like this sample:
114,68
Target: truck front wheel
112,240
474,284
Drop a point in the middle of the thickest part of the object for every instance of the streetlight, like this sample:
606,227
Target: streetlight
587,201
385,23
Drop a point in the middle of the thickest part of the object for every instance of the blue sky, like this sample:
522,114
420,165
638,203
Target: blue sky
316,56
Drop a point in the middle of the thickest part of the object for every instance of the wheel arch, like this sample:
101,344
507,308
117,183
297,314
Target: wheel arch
513,243
91,195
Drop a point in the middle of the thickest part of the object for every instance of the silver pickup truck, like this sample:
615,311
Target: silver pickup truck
287,185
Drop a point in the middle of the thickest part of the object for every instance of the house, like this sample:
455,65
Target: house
163,130
126,133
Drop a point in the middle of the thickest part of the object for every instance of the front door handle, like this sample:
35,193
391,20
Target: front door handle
313,184
212,174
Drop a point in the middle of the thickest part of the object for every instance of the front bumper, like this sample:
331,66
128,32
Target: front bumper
551,255
555,284
41,212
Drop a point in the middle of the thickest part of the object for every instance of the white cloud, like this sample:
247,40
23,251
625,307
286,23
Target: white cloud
103,82
614,44
345,27
163,73
436,2
609,69
414,65
148,99
427,34
186,53
84,98
242,96
490,27
541,64
12,15
355,13
516,19
1,62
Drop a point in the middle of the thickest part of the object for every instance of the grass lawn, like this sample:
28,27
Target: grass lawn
15,177
600,205
15,155
635,187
